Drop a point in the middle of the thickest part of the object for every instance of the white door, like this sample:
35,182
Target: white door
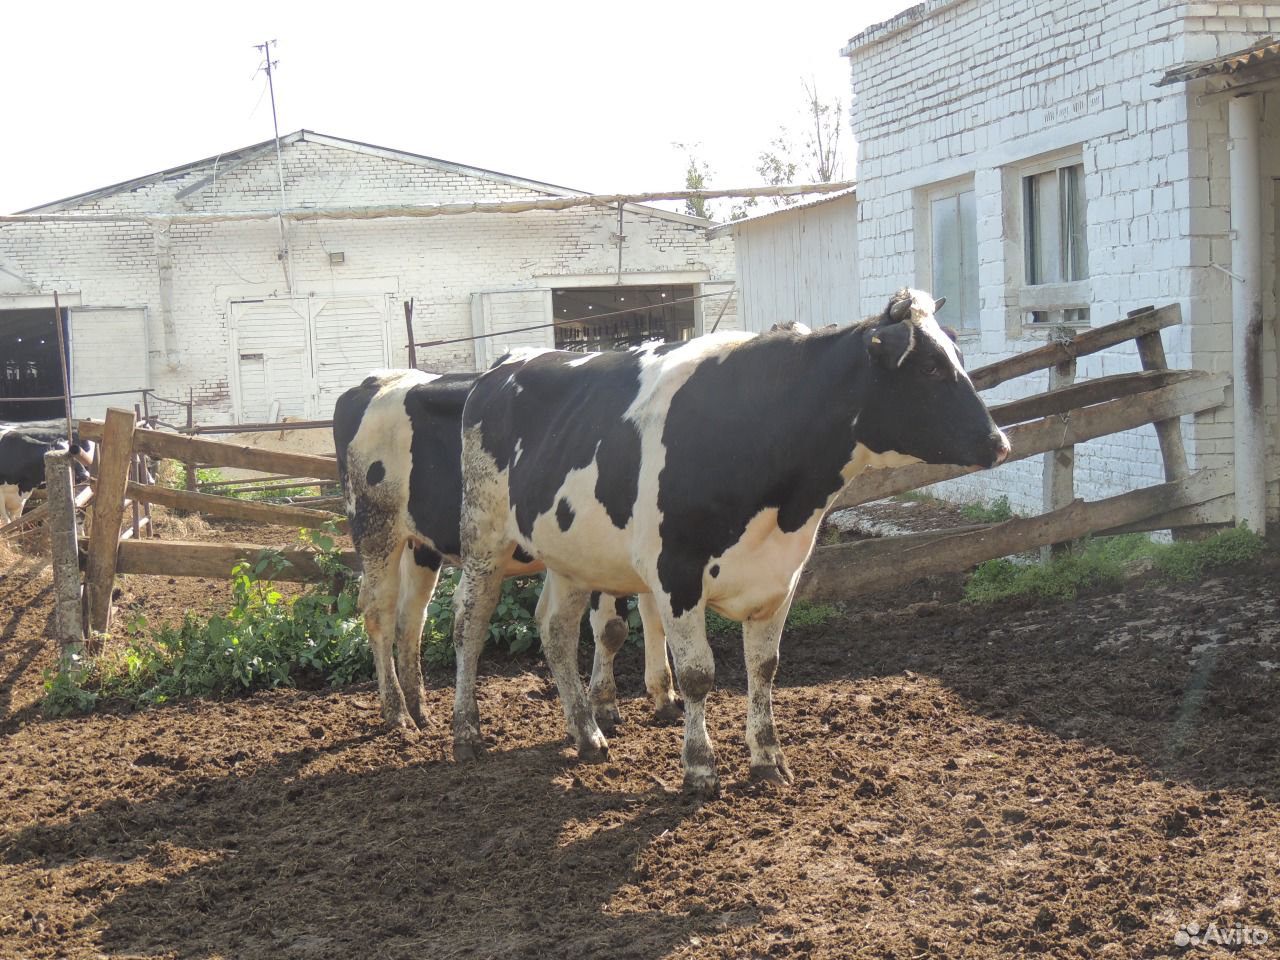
273,359
507,314
350,340
108,353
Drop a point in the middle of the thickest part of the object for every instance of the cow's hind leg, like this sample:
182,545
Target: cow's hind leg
760,650
379,599
609,628
559,612
696,671
473,604
657,671
419,570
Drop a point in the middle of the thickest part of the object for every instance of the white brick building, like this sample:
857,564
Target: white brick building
258,325
1020,159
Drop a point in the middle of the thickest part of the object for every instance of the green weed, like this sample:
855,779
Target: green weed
997,511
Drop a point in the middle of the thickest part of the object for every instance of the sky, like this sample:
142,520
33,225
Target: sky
585,95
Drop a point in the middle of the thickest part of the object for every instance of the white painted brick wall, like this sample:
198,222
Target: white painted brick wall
976,88
439,261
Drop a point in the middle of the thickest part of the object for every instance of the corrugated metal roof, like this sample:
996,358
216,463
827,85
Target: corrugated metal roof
745,221
1264,51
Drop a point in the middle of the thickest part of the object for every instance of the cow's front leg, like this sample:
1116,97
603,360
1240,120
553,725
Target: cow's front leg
379,597
559,613
696,671
609,628
760,649
473,604
419,570
657,672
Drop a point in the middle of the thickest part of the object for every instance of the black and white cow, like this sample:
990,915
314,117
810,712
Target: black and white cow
22,450
695,473
398,438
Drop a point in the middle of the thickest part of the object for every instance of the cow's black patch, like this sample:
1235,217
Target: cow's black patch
522,555
376,473
595,599
424,556
663,349
22,458
562,418
435,459
564,514
620,607
715,569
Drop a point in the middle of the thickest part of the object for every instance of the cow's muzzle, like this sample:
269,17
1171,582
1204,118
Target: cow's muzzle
1000,447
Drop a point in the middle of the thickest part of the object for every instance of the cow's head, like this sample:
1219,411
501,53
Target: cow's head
918,400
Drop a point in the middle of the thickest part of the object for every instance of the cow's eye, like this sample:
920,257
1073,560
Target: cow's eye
931,369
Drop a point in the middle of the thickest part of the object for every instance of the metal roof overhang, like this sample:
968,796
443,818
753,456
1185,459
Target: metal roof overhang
1252,69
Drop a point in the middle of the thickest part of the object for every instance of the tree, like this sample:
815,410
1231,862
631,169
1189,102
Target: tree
697,176
817,155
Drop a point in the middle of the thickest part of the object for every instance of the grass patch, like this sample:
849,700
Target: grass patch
802,614
997,511
1105,562
914,496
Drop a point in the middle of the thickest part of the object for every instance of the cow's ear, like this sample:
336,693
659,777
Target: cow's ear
890,344
937,304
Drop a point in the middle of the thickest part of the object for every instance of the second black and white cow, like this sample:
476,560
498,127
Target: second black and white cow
22,450
398,438
695,473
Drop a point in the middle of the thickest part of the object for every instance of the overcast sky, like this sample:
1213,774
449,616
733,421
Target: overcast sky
585,95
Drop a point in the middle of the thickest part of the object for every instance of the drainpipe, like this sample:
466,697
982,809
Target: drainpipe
1246,313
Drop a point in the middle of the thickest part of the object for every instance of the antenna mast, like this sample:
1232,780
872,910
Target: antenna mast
286,255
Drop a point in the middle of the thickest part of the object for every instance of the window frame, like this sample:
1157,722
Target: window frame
925,198
1058,299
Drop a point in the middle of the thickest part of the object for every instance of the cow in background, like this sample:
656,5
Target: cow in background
22,450
696,473
398,438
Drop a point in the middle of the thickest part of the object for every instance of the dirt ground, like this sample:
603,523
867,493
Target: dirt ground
1072,780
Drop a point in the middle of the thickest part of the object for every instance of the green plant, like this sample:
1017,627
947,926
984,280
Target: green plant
997,511
1106,561
64,691
915,496
802,614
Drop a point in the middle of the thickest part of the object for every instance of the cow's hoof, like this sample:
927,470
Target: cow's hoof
704,786
467,750
669,714
776,773
608,716
594,751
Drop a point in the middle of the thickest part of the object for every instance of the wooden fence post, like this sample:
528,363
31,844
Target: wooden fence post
68,621
1059,465
108,511
191,418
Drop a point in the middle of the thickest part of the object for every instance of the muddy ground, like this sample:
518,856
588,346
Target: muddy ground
1077,780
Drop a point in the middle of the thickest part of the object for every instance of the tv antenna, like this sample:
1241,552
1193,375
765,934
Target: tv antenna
269,65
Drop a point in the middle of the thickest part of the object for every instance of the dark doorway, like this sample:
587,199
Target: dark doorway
613,318
29,365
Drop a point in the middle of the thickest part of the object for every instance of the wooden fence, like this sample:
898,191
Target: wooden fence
1053,421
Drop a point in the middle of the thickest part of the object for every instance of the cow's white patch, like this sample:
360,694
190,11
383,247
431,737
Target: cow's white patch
582,359
864,458
11,502
924,320
518,450
758,573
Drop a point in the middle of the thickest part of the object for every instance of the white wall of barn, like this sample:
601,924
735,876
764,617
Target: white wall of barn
975,90
799,265
440,261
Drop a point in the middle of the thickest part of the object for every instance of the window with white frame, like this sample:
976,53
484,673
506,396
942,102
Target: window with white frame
1055,249
953,252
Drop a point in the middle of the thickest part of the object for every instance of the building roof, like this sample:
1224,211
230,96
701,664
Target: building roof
724,228
1258,62
223,163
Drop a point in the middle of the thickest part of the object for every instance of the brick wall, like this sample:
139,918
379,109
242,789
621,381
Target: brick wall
439,261
975,89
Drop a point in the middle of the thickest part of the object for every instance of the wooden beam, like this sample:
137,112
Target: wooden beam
274,513
1059,481
108,511
1086,394
185,558
846,570
1199,392
68,621
216,453
1090,341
